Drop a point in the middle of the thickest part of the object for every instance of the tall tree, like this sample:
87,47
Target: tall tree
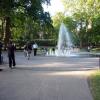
83,11
9,8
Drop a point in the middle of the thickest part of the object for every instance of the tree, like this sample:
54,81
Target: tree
57,20
9,8
46,24
83,11
68,21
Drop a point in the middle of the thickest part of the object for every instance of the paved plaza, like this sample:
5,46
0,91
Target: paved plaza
47,78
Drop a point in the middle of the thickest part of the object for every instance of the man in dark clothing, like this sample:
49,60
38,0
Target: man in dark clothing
0,52
11,55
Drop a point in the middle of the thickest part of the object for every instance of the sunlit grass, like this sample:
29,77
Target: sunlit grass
95,85
96,50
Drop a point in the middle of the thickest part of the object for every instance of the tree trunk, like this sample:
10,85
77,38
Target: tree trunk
2,30
7,32
81,44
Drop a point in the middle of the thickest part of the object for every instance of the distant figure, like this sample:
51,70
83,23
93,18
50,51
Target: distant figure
0,52
53,50
11,54
35,46
27,50
46,50
88,48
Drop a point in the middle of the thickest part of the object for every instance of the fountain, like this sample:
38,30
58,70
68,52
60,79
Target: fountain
64,42
65,45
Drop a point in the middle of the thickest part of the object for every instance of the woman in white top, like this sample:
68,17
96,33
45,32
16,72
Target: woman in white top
35,46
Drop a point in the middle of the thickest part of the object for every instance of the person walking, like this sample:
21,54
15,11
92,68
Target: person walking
27,50
35,46
11,54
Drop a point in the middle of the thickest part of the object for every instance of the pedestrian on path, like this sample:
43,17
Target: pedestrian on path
27,50
11,54
35,47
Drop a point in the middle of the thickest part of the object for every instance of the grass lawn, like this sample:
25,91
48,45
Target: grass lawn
95,85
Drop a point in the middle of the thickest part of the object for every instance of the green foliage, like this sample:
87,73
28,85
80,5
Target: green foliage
96,49
85,13
41,43
70,23
57,19
25,18
46,42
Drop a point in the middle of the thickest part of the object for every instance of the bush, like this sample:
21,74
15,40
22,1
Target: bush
44,42
19,44
96,49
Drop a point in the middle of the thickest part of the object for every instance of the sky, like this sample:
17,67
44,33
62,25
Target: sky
56,6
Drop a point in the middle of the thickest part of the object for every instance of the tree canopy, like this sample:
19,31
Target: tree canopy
15,14
26,20
82,18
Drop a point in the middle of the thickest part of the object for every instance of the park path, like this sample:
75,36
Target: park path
47,78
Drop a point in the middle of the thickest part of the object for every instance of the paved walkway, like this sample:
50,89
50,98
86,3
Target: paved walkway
47,78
